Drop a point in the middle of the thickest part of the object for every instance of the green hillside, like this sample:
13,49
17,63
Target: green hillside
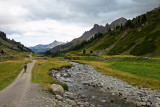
10,49
139,37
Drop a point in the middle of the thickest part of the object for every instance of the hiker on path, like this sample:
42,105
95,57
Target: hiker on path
25,67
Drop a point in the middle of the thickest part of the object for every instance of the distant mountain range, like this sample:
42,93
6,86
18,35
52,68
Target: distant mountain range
42,48
88,34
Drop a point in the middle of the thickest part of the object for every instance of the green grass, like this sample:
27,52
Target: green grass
12,54
42,75
142,72
104,42
149,69
9,70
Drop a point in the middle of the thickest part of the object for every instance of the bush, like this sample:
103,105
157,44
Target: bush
65,86
91,52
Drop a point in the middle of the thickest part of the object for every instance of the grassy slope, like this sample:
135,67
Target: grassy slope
142,40
9,70
144,73
104,42
42,75
12,54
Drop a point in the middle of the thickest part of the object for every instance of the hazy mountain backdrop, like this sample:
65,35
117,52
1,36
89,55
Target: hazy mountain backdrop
42,48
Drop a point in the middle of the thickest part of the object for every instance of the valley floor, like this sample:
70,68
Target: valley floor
23,93
86,85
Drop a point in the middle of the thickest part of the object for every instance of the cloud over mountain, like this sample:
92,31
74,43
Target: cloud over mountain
63,20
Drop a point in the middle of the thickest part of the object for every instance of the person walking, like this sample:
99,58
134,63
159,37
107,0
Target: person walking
25,67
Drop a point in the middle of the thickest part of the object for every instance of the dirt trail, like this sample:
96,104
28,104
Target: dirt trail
13,95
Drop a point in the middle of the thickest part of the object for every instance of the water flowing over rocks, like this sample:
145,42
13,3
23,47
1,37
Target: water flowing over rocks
89,88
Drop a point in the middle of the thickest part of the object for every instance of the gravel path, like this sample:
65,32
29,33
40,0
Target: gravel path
14,93
23,93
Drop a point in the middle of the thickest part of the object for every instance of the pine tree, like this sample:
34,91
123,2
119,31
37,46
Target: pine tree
144,18
84,51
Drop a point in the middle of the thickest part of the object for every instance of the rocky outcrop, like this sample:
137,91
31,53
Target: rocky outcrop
3,35
96,28
118,22
99,28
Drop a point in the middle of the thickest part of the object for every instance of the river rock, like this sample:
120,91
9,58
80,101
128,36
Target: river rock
86,83
81,106
157,105
141,103
58,97
86,104
144,99
72,102
66,75
148,104
80,103
57,89
83,96
69,95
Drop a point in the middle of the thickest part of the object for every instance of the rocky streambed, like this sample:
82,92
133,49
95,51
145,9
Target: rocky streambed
89,88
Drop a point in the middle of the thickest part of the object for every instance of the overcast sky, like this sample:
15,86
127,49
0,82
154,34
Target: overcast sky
33,22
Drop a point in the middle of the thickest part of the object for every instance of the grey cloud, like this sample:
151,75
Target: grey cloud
81,13
89,12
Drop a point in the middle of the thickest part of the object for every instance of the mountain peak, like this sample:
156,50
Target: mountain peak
42,48
55,41
95,26
3,35
118,22
107,25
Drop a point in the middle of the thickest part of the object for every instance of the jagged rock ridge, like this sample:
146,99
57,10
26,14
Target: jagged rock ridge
88,34
99,28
